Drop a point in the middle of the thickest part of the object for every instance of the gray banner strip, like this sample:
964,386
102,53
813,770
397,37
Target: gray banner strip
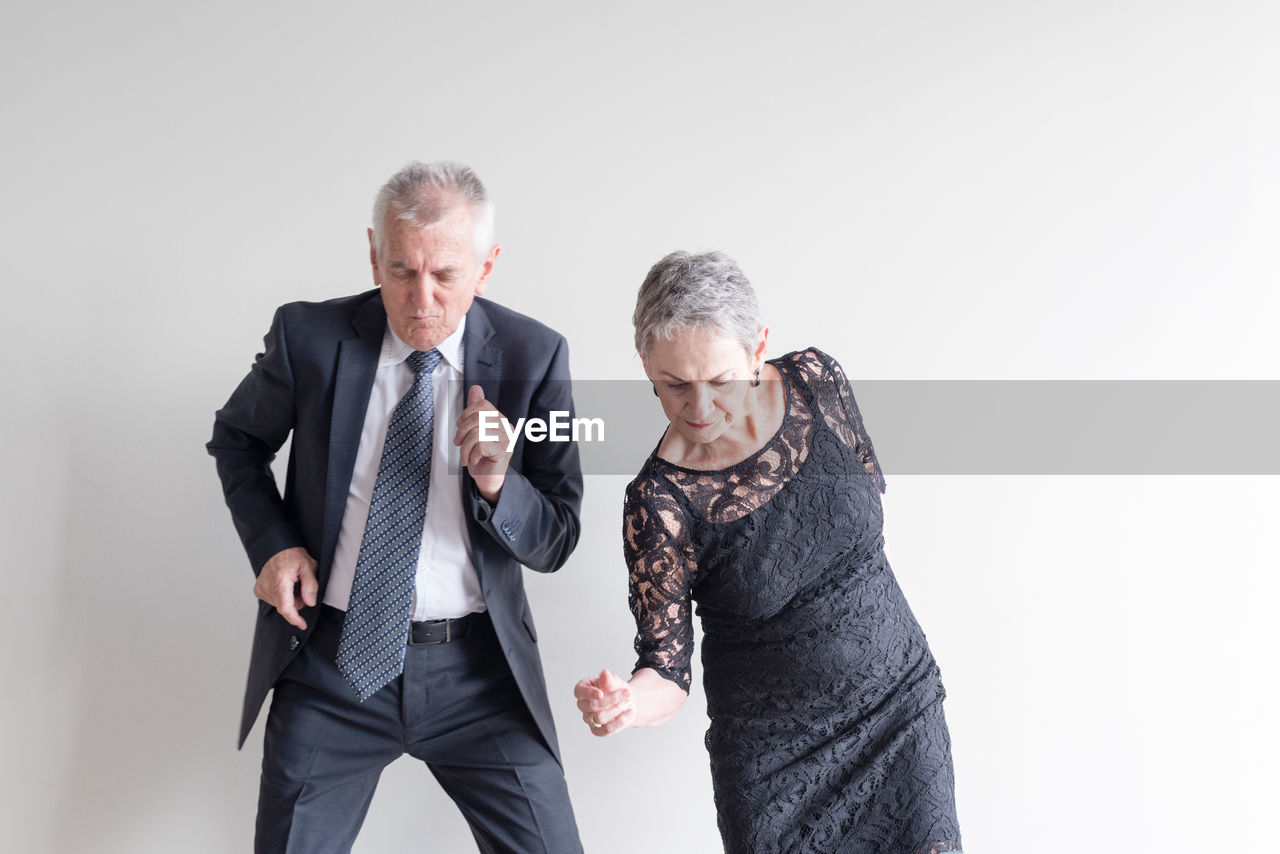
974,427
1074,426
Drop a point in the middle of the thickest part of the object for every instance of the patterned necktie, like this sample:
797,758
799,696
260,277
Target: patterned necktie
376,629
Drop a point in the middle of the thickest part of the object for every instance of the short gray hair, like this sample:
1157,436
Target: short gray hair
422,193
690,292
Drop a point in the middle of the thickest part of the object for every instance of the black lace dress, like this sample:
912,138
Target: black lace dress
827,733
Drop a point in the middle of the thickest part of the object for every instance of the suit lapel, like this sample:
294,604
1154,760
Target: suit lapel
482,366
353,380
482,357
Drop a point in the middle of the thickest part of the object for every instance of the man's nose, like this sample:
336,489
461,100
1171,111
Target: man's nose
422,293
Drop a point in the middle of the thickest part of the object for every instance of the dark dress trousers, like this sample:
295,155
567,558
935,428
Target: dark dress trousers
313,381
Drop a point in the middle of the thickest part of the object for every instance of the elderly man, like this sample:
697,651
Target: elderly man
393,616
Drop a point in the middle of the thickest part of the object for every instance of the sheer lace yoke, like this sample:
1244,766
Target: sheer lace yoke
814,385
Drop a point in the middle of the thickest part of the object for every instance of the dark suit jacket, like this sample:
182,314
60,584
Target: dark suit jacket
313,380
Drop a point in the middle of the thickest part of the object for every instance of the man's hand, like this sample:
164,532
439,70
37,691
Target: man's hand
286,571
487,461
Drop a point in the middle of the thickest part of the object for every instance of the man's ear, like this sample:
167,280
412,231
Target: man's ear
482,281
373,258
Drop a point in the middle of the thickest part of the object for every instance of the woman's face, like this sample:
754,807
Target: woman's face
703,379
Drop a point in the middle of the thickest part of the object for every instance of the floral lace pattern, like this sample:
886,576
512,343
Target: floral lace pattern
827,732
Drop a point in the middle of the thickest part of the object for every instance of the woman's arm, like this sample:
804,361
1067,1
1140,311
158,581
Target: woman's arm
659,562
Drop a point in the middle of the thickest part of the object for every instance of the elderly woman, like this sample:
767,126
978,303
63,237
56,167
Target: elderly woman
762,504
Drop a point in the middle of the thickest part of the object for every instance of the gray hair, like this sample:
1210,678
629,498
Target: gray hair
690,292
422,193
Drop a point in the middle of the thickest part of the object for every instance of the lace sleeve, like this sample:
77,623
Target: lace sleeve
841,412
653,531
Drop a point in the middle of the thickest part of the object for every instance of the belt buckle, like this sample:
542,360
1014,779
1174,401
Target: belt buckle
448,630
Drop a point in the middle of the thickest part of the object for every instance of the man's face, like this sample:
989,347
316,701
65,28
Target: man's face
429,276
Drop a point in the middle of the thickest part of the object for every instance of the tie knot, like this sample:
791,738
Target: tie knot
424,360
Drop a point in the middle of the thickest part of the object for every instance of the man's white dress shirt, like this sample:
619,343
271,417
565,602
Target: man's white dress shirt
446,584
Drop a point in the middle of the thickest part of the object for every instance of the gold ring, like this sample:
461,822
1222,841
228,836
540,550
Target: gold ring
595,722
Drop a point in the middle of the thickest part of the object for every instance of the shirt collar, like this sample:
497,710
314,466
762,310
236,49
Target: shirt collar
395,351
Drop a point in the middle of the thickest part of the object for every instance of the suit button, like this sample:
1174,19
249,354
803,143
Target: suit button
506,529
293,642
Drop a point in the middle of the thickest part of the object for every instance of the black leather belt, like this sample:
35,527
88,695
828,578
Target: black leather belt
444,631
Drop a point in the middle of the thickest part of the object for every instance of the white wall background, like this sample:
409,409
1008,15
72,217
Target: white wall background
926,190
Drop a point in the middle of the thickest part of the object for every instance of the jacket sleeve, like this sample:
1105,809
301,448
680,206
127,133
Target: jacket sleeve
247,433
536,517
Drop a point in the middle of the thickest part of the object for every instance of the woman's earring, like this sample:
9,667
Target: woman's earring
756,384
